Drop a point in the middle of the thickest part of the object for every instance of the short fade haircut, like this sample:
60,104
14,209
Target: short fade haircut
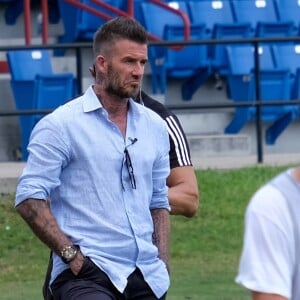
117,29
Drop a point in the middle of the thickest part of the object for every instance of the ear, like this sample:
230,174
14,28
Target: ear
101,63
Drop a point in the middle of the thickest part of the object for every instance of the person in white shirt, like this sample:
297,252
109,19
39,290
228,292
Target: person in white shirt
270,262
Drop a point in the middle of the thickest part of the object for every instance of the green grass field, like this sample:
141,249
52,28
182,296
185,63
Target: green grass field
205,249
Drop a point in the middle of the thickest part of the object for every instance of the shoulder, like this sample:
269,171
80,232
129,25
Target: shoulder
156,106
148,114
266,196
179,148
267,201
268,209
167,115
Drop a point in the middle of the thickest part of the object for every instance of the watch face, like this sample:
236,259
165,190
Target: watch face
69,252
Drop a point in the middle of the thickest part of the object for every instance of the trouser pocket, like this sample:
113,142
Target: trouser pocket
88,271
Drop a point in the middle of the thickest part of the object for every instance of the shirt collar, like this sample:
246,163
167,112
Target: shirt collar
90,100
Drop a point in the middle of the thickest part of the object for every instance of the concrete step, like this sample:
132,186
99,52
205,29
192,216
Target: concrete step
219,144
205,123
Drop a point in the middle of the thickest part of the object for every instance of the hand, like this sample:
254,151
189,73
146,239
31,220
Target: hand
77,263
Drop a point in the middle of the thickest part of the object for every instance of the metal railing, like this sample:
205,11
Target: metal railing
258,103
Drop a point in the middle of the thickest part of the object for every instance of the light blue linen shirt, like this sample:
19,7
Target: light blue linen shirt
77,160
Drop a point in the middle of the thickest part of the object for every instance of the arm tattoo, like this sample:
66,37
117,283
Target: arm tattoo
161,233
37,214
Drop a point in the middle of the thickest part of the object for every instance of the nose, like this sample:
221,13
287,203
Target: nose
138,69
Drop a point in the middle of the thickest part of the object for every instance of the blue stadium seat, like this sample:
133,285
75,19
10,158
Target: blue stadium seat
262,16
289,11
151,11
287,56
35,86
274,85
166,62
220,24
51,91
296,90
241,70
88,23
189,63
79,24
210,12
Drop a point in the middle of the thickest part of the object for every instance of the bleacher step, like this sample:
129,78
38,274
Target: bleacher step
219,144
196,122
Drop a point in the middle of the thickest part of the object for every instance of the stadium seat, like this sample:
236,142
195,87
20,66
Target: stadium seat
274,85
35,86
289,11
220,24
88,23
262,16
187,62
296,86
287,56
210,12
79,24
151,11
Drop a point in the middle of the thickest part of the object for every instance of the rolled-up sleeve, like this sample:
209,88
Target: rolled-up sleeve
48,154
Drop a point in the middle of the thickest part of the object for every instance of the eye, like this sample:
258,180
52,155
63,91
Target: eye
130,61
143,62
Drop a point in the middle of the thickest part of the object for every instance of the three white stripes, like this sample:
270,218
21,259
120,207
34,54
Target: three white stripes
179,141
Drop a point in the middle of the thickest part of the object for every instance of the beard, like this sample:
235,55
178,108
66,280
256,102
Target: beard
114,86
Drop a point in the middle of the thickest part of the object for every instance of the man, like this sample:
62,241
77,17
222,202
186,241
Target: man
103,161
182,183
270,265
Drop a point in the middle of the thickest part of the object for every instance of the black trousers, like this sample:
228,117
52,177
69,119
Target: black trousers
93,284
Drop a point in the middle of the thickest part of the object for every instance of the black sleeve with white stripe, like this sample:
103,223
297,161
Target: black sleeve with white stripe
179,148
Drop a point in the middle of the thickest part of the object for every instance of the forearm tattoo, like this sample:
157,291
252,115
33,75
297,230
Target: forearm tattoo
161,233
38,216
